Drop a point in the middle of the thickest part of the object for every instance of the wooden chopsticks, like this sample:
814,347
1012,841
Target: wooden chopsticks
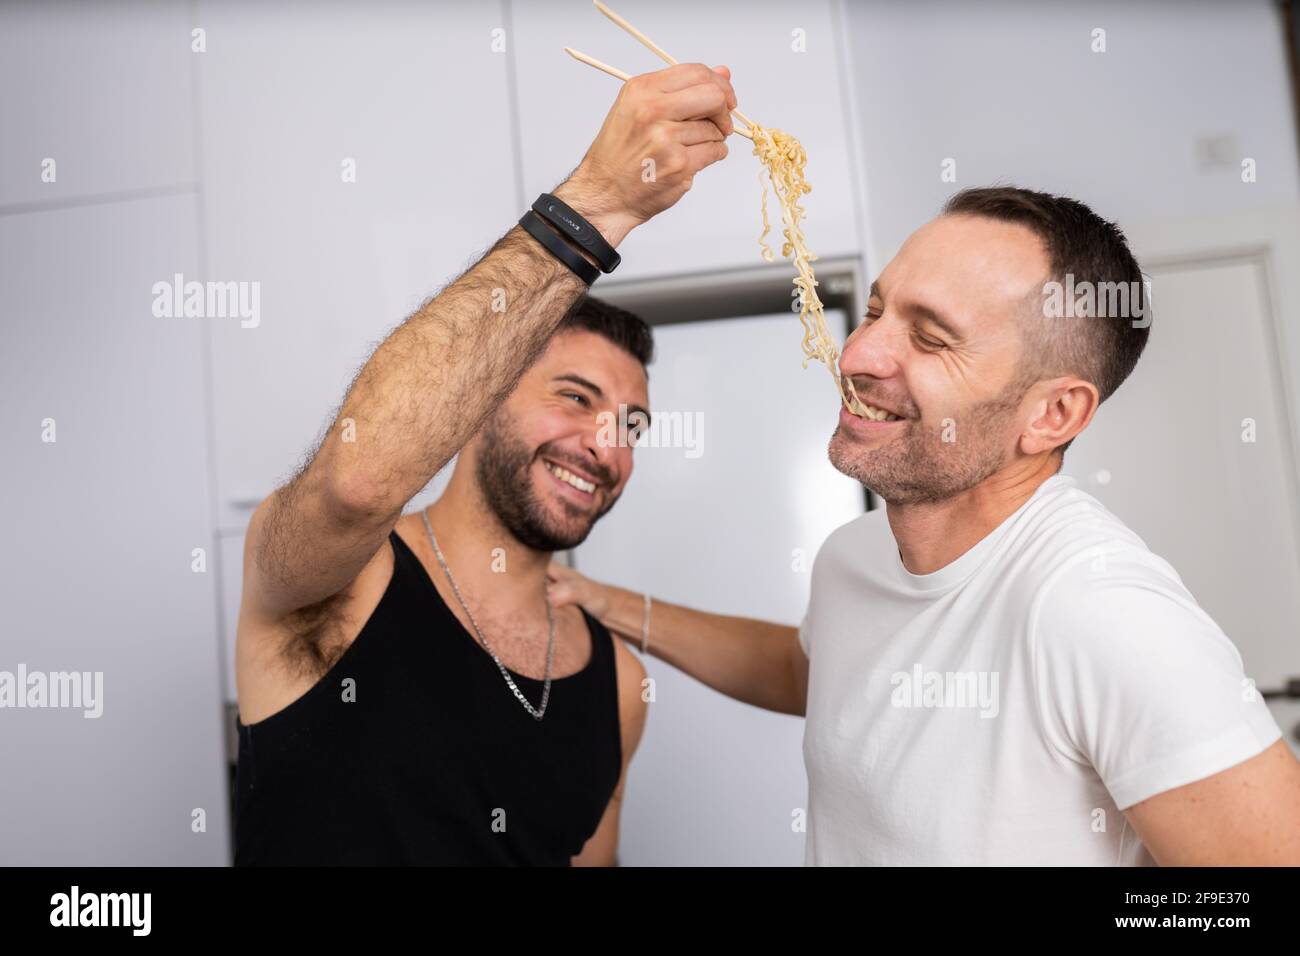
592,61
655,48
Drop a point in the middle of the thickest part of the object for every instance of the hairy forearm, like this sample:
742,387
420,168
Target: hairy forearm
420,397
744,658
428,388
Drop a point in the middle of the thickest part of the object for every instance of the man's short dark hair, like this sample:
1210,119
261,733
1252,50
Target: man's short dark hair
629,332
1102,349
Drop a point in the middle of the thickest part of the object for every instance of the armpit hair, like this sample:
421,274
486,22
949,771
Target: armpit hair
313,638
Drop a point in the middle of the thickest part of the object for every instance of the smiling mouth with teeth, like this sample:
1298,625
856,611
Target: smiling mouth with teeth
877,414
860,408
569,477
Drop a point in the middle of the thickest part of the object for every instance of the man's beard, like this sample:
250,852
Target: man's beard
504,476
919,466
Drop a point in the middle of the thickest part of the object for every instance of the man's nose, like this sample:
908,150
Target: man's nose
601,444
872,349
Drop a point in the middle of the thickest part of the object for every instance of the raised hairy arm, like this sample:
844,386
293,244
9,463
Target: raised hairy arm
430,385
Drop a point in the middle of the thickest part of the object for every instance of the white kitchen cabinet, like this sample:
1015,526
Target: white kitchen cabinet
103,89
102,525
416,96
562,104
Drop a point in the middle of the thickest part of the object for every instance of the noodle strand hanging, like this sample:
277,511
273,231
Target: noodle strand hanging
783,160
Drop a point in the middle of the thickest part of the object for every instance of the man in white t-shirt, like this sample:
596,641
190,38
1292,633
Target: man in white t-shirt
994,668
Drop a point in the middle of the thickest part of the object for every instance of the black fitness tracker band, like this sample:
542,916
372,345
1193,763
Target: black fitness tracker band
578,229
535,227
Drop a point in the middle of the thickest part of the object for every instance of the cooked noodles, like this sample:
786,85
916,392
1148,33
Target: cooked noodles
783,160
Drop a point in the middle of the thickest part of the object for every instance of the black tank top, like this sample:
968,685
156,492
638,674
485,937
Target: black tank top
436,761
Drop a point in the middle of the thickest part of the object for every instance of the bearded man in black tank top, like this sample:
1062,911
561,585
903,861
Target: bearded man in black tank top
407,692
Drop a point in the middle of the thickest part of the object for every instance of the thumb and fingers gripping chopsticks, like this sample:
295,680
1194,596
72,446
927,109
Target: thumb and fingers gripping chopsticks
653,47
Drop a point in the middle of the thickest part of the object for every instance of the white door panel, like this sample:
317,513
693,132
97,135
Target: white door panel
1169,448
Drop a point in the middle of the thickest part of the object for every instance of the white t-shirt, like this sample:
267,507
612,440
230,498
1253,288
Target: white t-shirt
1007,707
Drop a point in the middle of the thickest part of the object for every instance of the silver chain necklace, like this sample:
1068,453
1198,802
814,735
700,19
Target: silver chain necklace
537,713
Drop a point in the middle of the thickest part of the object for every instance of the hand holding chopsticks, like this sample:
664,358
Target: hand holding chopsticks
655,48
659,134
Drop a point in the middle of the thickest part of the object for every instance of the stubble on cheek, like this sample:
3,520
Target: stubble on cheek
927,462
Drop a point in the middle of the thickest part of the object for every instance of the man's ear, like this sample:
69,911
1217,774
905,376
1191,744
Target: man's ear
1062,408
